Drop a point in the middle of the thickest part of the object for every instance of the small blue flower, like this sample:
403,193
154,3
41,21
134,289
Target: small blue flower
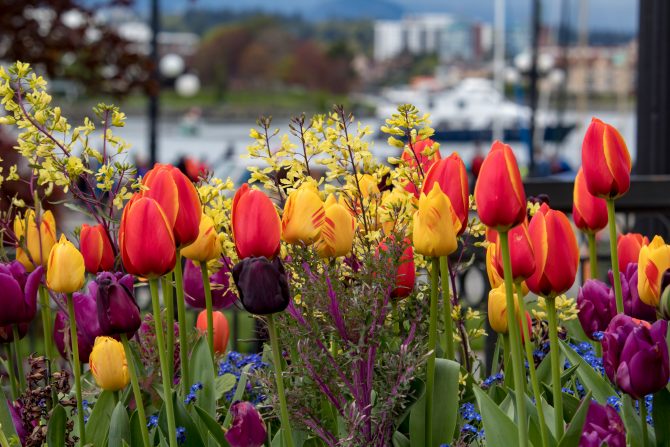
568,391
598,335
614,402
153,421
181,435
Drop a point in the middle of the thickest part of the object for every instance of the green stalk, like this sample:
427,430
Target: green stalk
3,438
448,318
535,385
11,371
615,255
432,341
46,322
169,316
76,369
555,367
593,256
507,362
130,359
643,418
167,388
513,330
19,357
208,305
279,375
181,317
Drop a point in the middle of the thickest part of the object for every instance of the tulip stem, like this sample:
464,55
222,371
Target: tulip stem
167,389
130,359
169,317
555,359
448,318
76,369
3,438
208,306
611,220
11,371
432,341
643,420
279,376
181,316
513,330
593,256
531,366
46,322
19,357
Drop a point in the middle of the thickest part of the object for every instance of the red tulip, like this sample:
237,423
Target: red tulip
221,331
405,276
499,194
145,239
451,175
520,251
628,247
588,212
256,224
96,248
416,157
178,198
605,160
556,252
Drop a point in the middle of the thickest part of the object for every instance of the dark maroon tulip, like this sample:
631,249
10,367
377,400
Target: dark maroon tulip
632,304
596,307
88,327
7,333
247,428
262,284
18,299
223,296
603,425
15,411
635,355
118,312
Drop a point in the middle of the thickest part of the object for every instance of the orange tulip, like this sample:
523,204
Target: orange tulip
146,241
178,198
452,176
499,194
605,161
494,269
556,252
520,251
96,248
628,247
256,224
221,330
588,212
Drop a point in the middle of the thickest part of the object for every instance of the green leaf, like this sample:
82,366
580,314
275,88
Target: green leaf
56,427
591,380
203,372
97,426
182,419
400,440
6,420
135,429
119,428
632,422
239,392
660,412
213,426
497,426
574,431
224,384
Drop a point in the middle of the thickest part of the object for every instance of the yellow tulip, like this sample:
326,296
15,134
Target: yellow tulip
65,269
368,185
37,243
303,215
435,224
393,209
207,246
498,309
337,232
654,259
108,364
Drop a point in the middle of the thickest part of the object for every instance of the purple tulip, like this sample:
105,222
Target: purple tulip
88,327
632,304
118,313
15,411
262,284
18,299
635,355
603,425
7,333
248,428
596,307
223,295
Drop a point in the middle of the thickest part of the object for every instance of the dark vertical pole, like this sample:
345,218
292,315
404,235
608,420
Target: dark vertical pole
154,88
563,38
533,75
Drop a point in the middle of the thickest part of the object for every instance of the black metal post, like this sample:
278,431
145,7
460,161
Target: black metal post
533,81
154,88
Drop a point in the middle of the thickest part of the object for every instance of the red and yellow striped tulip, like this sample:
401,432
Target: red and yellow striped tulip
435,224
256,224
303,215
96,248
605,161
653,262
588,211
628,247
337,232
452,176
37,243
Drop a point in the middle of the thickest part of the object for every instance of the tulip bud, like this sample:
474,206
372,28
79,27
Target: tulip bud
520,251
223,296
247,428
108,364
495,278
88,327
603,426
499,194
96,248
207,246
256,224
435,224
221,331
451,175
497,311
596,307
19,293
145,239
337,233
303,215
37,243
556,252
664,304
588,212
605,161
405,272
417,154
65,270
178,199
632,304
118,312
628,247
653,262
262,285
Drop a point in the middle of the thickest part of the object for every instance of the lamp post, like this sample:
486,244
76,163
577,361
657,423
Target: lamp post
154,78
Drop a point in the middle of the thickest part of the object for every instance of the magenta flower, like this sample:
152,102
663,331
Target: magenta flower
223,296
18,299
7,333
603,425
596,307
118,312
88,327
632,303
247,428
